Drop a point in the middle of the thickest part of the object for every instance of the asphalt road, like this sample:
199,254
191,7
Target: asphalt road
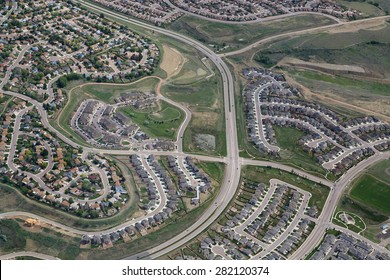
331,203
233,168
27,254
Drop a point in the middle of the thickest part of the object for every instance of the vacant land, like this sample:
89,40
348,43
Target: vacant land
198,87
216,170
225,37
287,139
368,7
372,192
108,92
160,122
369,198
362,46
16,237
172,61
264,174
371,96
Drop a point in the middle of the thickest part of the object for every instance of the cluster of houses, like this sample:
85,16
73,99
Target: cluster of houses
154,196
68,182
102,124
255,193
67,39
346,247
7,120
372,133
336,145
351,160
293,241
280,209
139,100
155,215
230,10
31,154
234,243
236,249
190,178
158,12
312,118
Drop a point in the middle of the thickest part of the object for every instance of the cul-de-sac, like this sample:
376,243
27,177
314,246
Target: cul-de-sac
195,130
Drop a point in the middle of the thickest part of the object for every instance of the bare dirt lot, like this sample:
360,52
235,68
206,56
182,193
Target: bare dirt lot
326,67
172,61
375,24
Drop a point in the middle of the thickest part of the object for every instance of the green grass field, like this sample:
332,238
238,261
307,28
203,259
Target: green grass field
313,79
203,94
162,122
372,192
287,139
108,93
16,238
214,169
227,37
264,174
369,198
367,7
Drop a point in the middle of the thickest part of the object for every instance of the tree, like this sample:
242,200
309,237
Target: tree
62,82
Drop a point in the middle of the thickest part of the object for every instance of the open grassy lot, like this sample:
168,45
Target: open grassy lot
16,237
108,92
227,37
372,192
160,122
198,86
216,170
368,7
264,174
369,197
287,139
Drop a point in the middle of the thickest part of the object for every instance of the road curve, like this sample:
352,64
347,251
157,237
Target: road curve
14,255
233,168
331,203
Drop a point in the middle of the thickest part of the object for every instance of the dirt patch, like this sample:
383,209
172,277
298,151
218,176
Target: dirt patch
205,119
375,24
172,61
206,142
327,67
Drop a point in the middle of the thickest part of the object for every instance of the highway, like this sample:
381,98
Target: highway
233,162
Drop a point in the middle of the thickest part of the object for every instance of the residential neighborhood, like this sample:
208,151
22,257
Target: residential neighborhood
335,144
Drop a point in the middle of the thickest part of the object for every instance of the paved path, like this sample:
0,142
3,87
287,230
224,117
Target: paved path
27,254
